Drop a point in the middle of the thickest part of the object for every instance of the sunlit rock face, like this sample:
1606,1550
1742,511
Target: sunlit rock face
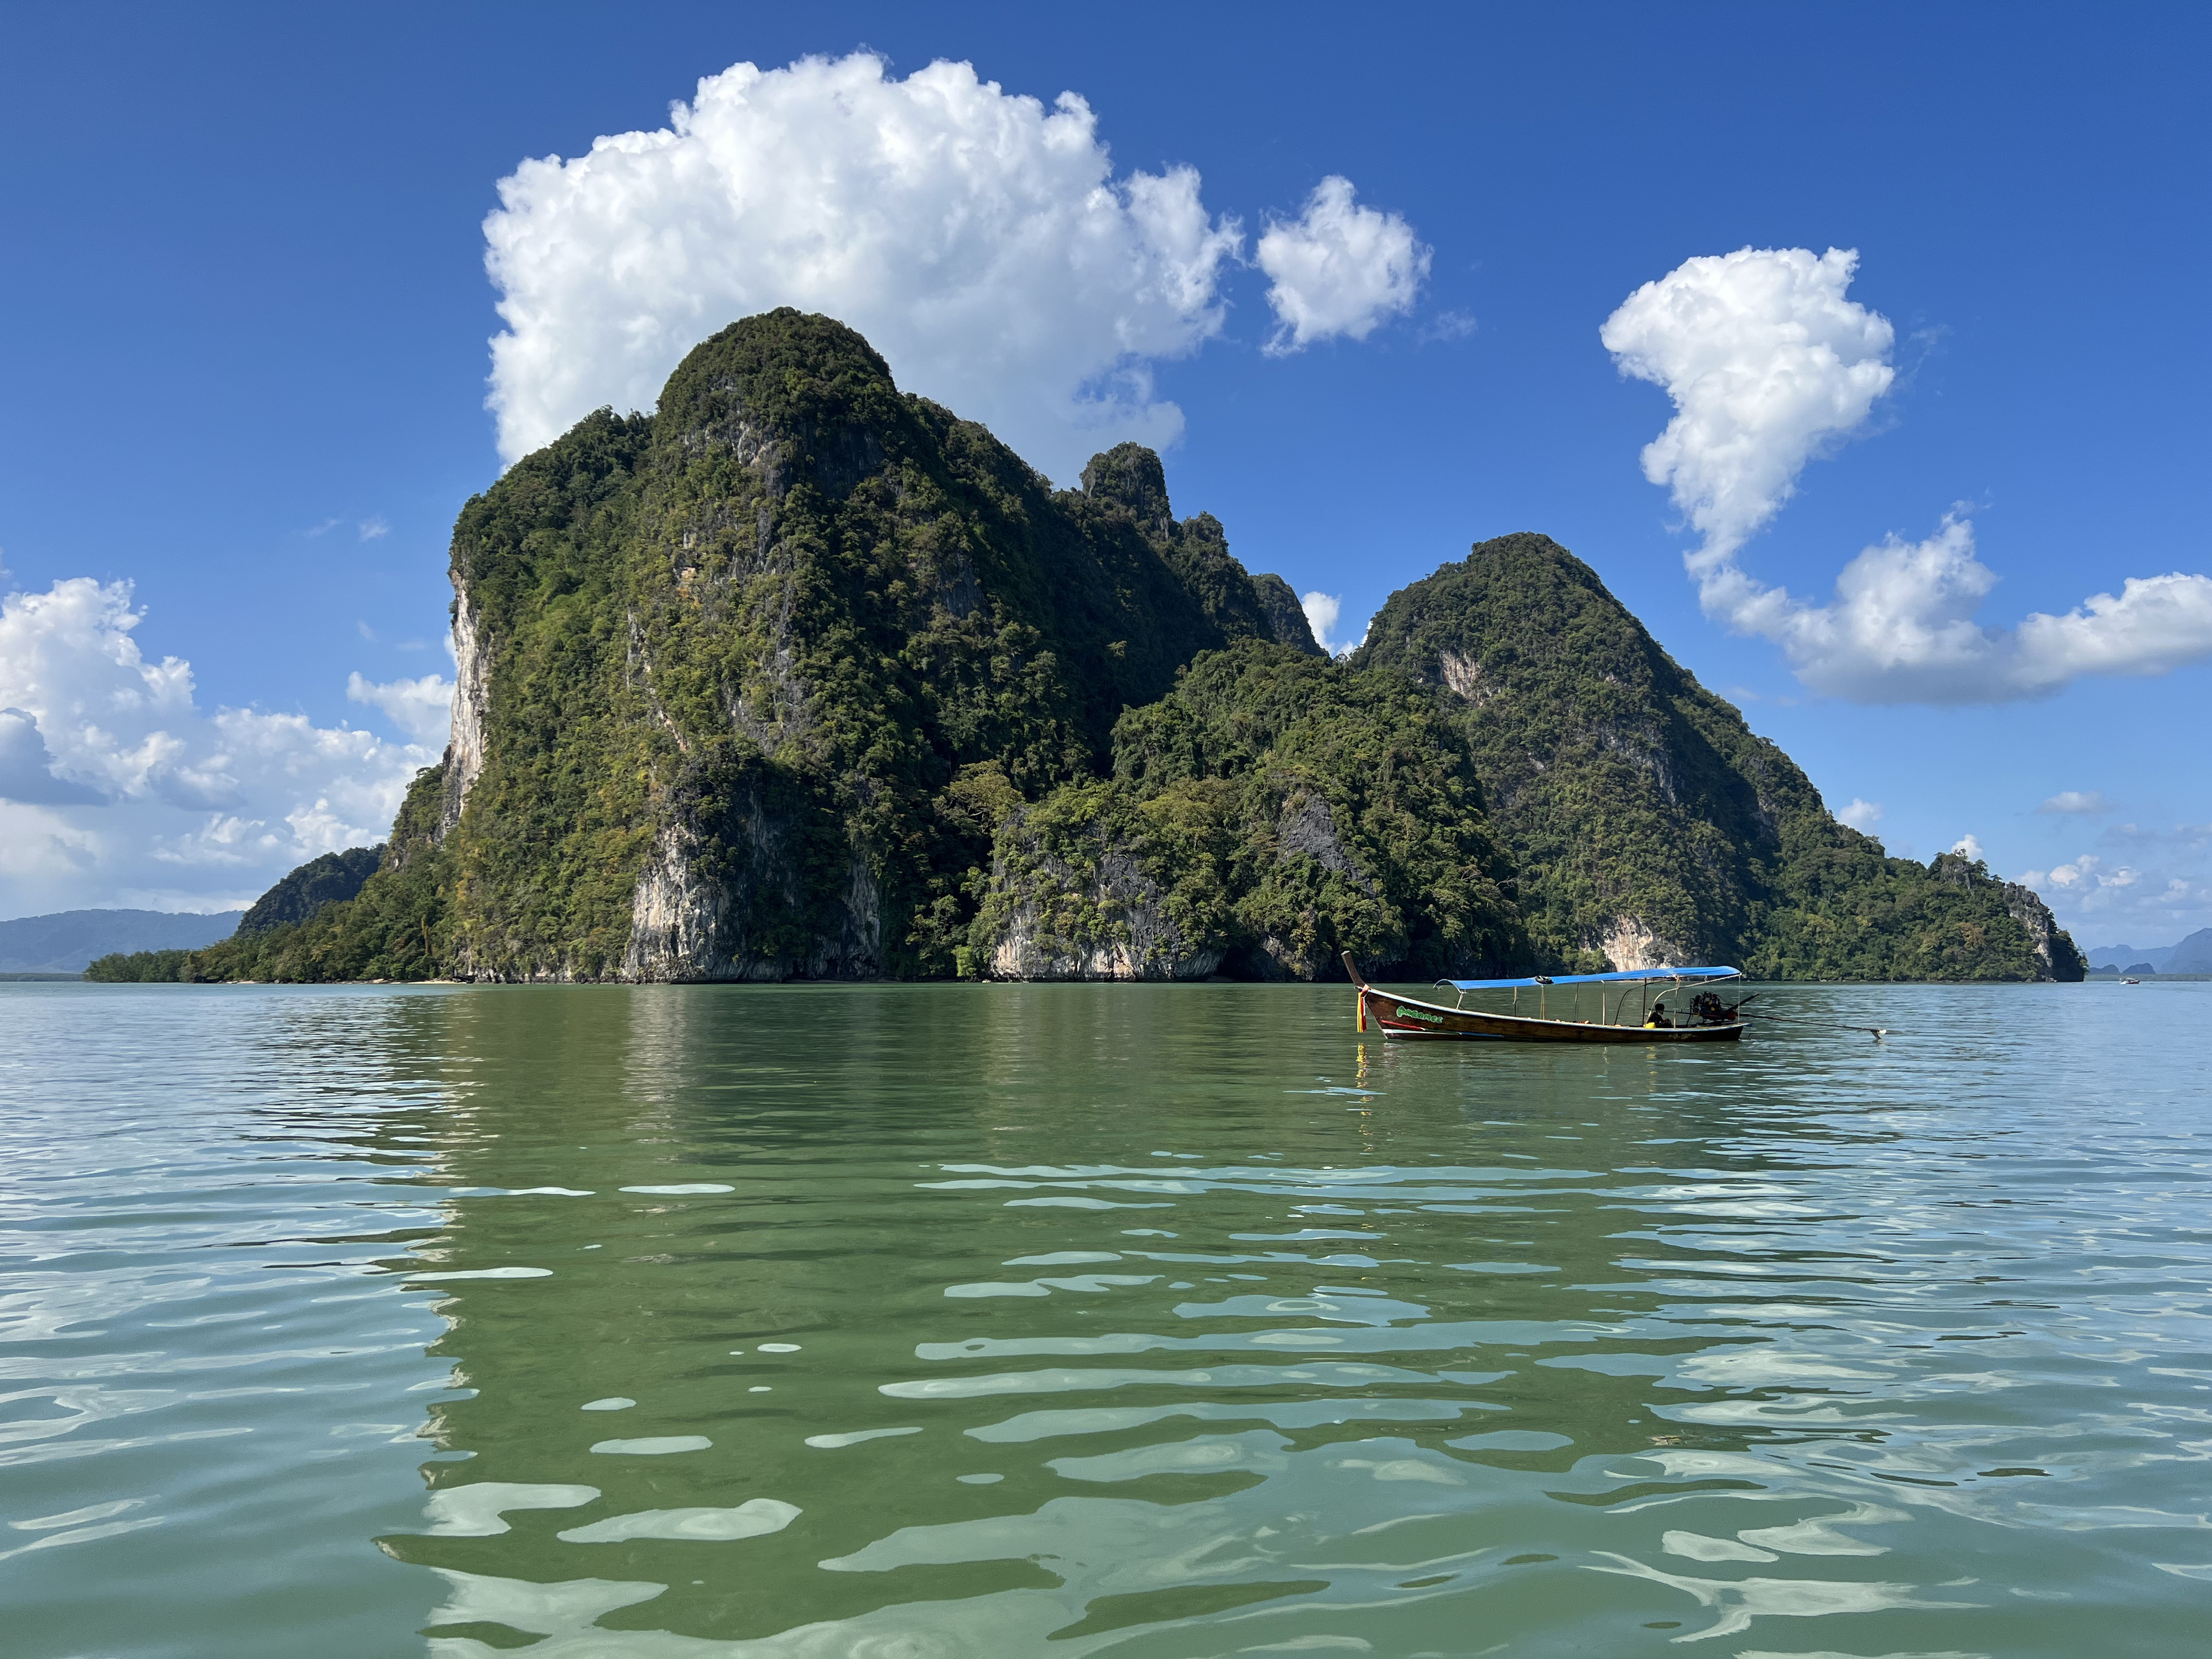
718,667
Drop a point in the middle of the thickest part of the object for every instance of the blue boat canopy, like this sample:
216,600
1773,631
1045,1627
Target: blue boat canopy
1676,975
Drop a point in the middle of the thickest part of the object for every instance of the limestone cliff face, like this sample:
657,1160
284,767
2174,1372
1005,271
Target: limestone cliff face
1097,914
698,909
1626,942
2054,947
1116,898
1305,834
2056,959
718,668
471,687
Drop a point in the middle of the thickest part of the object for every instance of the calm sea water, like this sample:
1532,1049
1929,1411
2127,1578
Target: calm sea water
1157,1321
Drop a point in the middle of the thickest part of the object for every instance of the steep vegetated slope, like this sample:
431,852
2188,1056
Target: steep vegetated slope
1649,822
319,881
1274,809
398,925
724,670
802,676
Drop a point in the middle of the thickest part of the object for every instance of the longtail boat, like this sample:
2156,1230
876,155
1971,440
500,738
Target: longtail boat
1706,1018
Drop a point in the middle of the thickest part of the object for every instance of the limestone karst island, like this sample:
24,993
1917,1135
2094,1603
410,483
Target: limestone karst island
803,677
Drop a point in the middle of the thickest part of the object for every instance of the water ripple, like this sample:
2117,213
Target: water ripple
1801,1349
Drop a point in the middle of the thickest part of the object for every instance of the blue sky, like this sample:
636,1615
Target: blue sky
247,316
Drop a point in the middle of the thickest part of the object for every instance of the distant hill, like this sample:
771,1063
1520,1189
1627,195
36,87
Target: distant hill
1649,823
329,879
65,942
2192,956
2120,959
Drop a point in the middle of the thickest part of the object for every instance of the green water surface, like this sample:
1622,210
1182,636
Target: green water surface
896,1322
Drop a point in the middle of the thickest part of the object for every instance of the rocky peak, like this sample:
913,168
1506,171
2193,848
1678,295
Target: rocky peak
1285,617
800,398
2054,946
1130,477
1587,736
1957,870
1129,486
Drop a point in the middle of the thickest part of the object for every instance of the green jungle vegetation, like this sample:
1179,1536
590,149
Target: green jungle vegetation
1287,809
319,881
876,691
1351,816
1624,788
396,927
781,616
138,967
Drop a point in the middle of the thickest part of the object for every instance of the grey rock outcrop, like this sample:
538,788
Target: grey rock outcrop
2054,948
2058,958
715,909
1097,917
465,748
1127,485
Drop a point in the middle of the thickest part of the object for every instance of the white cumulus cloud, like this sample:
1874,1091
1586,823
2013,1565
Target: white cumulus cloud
2159,885
1769,363
1861,815
1766,361
1968,847
1324,612
27,768
2082,873
981,241
116,788
1321,611
1339,268
1902,629
422,708
2088,888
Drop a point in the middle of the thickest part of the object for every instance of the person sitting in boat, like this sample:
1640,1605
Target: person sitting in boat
1658,1020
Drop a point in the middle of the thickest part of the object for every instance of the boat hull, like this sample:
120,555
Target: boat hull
1406,1017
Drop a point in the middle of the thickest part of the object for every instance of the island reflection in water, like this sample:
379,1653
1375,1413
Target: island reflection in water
1178,1320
